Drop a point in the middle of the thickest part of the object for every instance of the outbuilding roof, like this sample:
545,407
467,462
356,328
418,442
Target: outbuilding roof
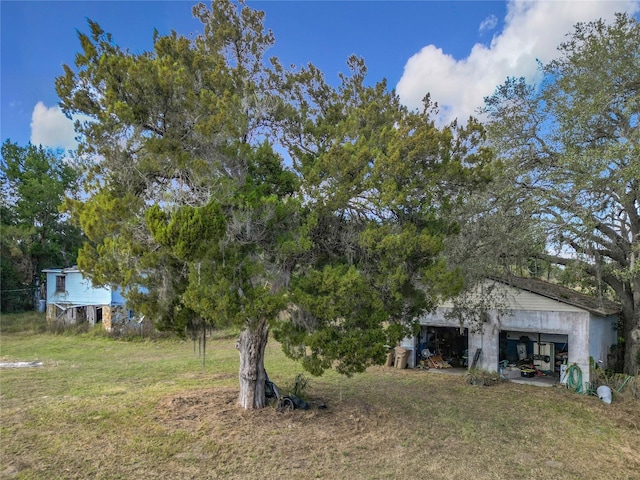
598,305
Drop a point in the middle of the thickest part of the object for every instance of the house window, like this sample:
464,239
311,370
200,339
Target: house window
60,284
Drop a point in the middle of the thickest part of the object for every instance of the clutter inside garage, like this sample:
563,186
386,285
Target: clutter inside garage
521,354
533,355
442,347
436,348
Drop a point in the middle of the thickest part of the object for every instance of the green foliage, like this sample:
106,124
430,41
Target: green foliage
24,323
266,177
191,232
16,269
336,322
570,152
62,328
299,386
177,182
191,207
380,182
35,234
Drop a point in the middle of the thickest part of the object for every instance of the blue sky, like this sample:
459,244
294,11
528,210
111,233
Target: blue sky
457,50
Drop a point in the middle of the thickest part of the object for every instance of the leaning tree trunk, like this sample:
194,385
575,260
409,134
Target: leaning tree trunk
251,345
631,331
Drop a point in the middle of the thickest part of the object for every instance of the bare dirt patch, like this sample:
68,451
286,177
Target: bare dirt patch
217,409
319,443
20,364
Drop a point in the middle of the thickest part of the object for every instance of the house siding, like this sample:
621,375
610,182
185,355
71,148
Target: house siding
523,300
117,298
516,299
78,291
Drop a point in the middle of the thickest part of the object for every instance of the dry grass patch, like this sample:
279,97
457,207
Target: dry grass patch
393,424
105,409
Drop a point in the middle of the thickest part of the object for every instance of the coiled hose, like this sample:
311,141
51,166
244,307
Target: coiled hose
574,378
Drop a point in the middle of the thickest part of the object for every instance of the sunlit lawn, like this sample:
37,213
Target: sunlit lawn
101,408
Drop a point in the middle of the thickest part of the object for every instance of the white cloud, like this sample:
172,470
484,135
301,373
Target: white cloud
50,128
532,30
488,23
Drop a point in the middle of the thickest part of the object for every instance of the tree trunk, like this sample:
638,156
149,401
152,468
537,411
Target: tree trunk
631,330
251,345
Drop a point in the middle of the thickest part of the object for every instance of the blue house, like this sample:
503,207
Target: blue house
72,299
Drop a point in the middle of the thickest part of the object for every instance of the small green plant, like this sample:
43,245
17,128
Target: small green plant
477,376
299,386
97,331
138,332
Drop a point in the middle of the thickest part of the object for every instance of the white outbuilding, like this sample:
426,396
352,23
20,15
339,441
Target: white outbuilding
540,323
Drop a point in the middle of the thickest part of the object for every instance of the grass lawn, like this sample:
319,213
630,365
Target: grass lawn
105,409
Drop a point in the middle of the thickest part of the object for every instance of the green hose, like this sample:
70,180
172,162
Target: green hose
624,383
574,379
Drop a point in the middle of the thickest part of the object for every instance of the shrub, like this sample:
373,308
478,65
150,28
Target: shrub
299,386
476,376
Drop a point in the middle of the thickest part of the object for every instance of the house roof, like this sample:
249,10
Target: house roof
61,270
598,305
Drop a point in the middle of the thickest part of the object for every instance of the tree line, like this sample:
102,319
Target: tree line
221,187
35,233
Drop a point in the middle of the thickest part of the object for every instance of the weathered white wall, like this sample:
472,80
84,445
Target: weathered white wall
410,344
574,324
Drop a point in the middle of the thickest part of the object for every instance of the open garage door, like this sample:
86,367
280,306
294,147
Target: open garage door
538,354
449,343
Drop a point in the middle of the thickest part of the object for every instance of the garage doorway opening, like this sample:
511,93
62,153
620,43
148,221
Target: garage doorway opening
538,354
449,343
